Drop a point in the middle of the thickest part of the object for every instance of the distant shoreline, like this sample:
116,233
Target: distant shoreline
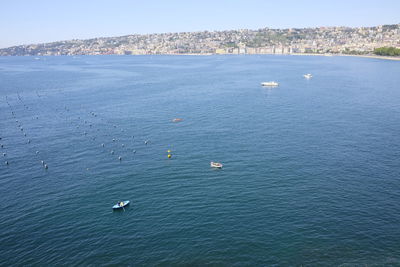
347,55
377,57
211,54
294,54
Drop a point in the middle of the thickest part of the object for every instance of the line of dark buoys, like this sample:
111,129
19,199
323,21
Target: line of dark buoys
69,118
61,113
13,113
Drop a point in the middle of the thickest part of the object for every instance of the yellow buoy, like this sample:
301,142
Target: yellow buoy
169,151
169,156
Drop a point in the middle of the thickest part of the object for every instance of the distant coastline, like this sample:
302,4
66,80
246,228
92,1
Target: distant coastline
375,56
305,41
349,55
302,54
394,58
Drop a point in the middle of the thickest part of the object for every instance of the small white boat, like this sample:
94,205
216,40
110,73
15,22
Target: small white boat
307,76
121,204
270,84
216,165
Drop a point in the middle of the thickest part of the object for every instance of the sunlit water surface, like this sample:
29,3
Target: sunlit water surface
311,170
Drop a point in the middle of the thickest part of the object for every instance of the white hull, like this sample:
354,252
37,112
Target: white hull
117,206
270,84
216,165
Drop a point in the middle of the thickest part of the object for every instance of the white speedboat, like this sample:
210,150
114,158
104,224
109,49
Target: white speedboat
307,76
216,165
121,205
270,84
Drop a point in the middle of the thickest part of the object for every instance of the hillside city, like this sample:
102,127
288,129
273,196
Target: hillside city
321,40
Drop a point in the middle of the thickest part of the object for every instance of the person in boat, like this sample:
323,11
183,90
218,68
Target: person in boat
121,204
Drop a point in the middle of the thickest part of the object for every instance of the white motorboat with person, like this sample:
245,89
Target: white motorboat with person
307,76
216,165
270,84
121,205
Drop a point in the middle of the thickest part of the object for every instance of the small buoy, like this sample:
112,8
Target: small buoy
42,162
1,146
37,152
24,134
102,145
4,154
29,141
6,162
169,151
122,145
120,158
145,142
112,152
134,151
45,166
169,156
113,140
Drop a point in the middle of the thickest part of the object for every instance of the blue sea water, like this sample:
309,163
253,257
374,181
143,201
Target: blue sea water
311,170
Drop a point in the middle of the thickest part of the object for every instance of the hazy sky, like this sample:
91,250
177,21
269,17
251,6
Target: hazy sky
36,21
